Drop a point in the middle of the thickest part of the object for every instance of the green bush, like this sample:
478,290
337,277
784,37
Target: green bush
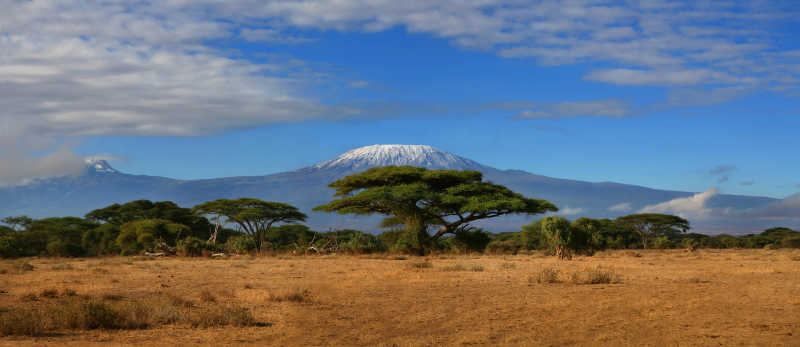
503,247
241,244
792,241
192,247
663,242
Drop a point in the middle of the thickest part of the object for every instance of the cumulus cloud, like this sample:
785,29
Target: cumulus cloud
600,108
689,207
621,207
72,69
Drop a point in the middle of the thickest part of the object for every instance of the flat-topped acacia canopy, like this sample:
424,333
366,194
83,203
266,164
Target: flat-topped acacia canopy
419,197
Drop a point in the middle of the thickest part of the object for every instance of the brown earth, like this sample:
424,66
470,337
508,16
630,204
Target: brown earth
707,297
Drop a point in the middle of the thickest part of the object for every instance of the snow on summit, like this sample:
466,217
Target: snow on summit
97,164
385,155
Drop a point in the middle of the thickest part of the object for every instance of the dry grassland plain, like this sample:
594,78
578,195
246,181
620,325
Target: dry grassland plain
664,298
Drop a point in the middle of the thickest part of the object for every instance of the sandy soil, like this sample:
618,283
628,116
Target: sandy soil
707,297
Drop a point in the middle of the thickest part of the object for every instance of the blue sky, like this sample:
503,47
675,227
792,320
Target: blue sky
665,94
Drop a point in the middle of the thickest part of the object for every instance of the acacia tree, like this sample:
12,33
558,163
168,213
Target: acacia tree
145,209
649,225
419,197
252,216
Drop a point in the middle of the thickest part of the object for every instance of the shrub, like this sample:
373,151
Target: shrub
595,276
791,241
297,295
22,267
457,267
207,296
421,265
60,267
99,315
241,244
508,266
191,247
503,247
546,275
49,293
23,322
223,315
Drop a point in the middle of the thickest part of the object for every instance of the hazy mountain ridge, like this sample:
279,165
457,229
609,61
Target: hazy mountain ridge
307,187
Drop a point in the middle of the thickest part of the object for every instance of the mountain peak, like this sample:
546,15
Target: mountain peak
98,164
385,155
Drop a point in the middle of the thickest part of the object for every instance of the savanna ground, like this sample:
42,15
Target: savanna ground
706,297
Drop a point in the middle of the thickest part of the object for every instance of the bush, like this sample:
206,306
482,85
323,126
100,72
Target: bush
547,275
595,276
467,241
791,241
241,244
297,295
503,247
663,242
223,315
192,247
420,265
23,322
461,267
86,314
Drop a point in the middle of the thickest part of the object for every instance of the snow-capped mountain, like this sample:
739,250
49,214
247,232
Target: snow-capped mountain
99,165
308,187
385,155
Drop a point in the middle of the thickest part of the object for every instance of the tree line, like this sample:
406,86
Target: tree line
425,211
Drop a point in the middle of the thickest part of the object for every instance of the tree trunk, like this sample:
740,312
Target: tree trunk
415,226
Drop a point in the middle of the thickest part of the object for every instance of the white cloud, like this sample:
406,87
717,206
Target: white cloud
598,108
785,209
271,35
569,211
689,207
638,77
621,207
18,168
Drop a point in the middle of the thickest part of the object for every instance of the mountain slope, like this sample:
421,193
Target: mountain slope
307,187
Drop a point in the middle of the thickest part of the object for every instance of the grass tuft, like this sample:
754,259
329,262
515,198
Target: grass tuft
421,265
296,295
595,276
22,322
60,267
207,296
546,275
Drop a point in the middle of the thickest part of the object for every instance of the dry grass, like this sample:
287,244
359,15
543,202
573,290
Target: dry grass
546,275
294,295
462,267
595,276
665,297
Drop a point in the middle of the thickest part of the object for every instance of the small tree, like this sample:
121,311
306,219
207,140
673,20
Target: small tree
252,216
560,235
649,225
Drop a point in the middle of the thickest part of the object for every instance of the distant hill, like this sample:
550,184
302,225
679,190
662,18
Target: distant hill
306,187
